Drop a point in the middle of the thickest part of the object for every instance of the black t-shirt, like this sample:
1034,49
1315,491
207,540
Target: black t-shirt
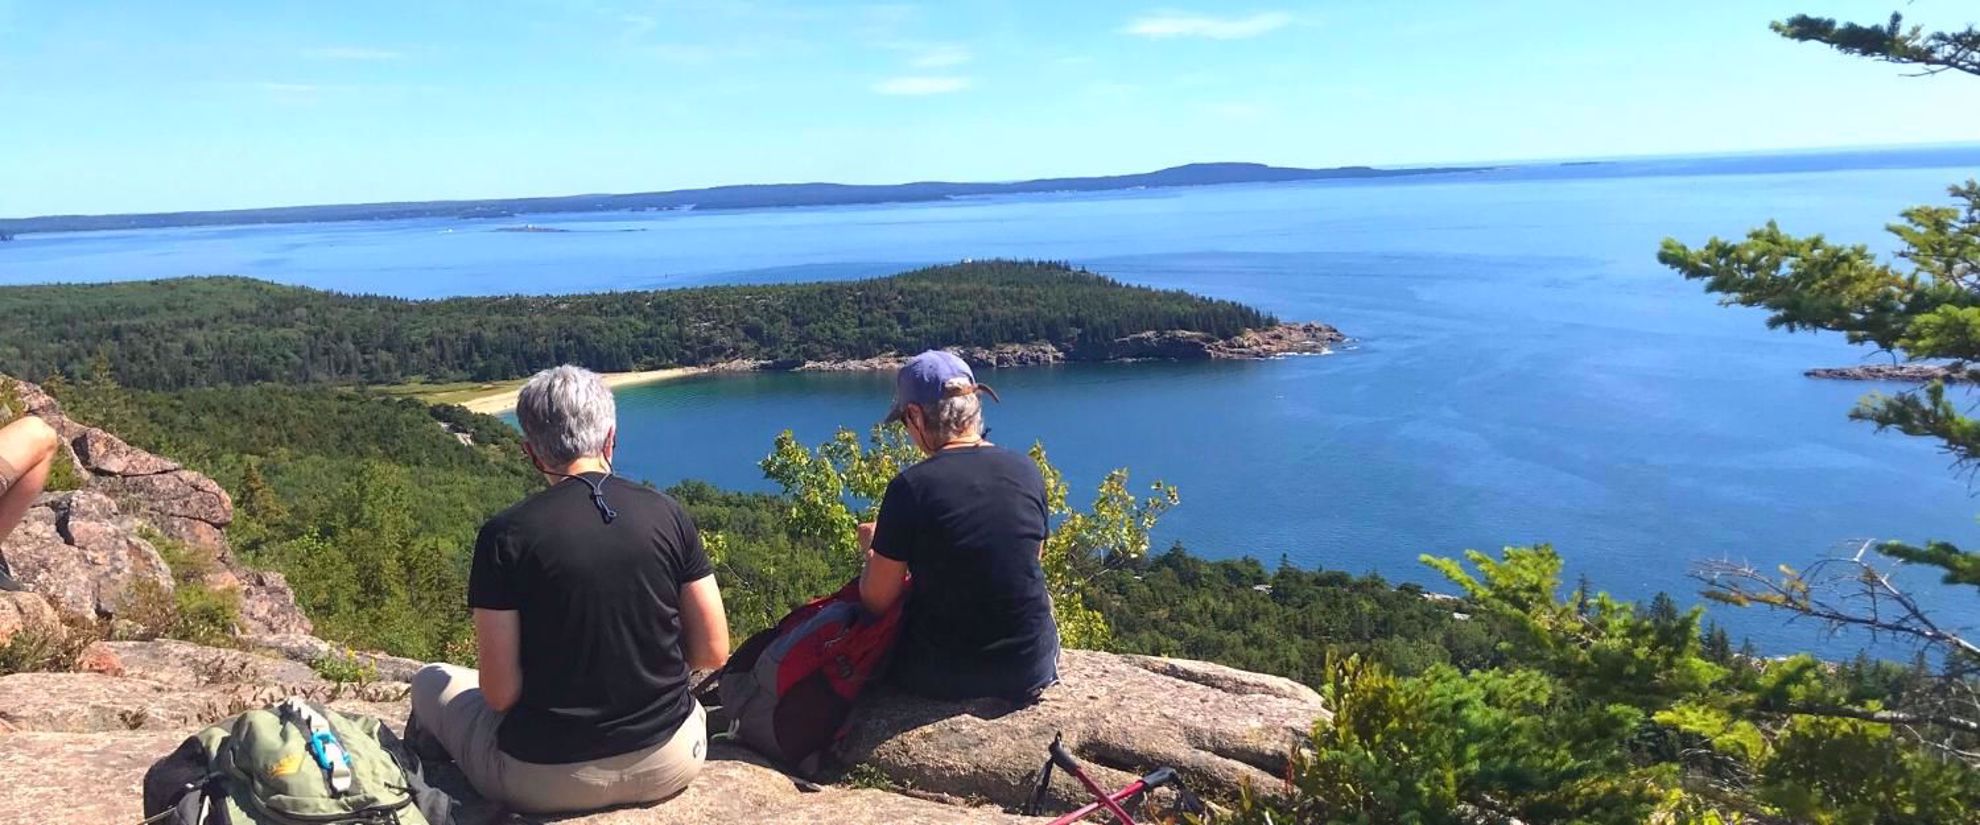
602,668
978,621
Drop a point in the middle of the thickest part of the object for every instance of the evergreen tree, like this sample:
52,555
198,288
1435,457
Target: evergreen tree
257,500
1663,610
1925,305
1718,644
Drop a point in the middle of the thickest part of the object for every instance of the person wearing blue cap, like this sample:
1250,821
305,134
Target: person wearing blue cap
969,524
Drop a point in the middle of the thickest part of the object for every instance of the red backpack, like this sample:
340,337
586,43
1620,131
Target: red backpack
788,692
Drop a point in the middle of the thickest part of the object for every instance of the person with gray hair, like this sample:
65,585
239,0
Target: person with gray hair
593,600
969,524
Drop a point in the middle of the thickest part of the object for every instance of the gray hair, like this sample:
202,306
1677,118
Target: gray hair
566,414
959,413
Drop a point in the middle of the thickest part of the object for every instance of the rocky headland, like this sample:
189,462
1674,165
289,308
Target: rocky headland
1170,345
1911,373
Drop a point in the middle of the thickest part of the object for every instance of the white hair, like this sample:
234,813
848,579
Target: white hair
566,414
958,414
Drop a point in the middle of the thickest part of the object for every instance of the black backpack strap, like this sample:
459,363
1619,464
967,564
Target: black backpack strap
171,780
213,791
192,803
433,803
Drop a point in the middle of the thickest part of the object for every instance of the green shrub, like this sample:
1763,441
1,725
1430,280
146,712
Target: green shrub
206,615
1604,712
345,667
190,612
63,475
46,650
193,610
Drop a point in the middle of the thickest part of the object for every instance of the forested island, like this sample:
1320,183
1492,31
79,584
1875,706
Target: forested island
196,332
718,197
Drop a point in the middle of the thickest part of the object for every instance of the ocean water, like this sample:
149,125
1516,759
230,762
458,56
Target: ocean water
1523,369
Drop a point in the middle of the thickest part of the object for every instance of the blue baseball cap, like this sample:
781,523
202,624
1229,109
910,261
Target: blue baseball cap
928,378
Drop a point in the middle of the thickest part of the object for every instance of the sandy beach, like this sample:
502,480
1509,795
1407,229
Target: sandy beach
499,397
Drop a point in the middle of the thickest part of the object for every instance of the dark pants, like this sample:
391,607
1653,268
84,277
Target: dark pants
957,679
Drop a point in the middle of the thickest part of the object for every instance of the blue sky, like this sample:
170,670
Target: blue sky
116,107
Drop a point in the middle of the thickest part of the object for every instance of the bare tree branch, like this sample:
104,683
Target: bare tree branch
1865,598
1888,717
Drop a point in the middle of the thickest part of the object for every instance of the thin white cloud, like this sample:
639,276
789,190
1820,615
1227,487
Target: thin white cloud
941,56
921,85
351,53
1171,24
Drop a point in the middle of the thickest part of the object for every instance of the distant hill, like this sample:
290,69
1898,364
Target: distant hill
719,197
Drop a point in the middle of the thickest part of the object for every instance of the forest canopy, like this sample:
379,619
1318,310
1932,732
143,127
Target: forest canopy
217,331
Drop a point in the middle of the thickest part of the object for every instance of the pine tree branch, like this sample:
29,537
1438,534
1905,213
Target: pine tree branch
1891,42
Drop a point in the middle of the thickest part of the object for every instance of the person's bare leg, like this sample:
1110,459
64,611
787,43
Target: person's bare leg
27,453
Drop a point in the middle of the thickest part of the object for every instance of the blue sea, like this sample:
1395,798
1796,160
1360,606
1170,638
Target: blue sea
1523,369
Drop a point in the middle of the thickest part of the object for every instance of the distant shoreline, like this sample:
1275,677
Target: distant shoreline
756,196
797,195
498,397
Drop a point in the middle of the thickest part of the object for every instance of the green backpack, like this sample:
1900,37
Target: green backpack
291,764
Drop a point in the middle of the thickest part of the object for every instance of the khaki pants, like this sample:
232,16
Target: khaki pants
448,705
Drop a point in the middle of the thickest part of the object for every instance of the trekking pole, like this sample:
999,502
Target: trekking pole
1112,803
1109,802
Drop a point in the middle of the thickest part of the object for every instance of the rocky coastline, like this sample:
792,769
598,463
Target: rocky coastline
1917,373
1168,345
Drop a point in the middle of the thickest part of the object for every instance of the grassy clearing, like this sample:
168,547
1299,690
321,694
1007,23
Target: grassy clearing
456,392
